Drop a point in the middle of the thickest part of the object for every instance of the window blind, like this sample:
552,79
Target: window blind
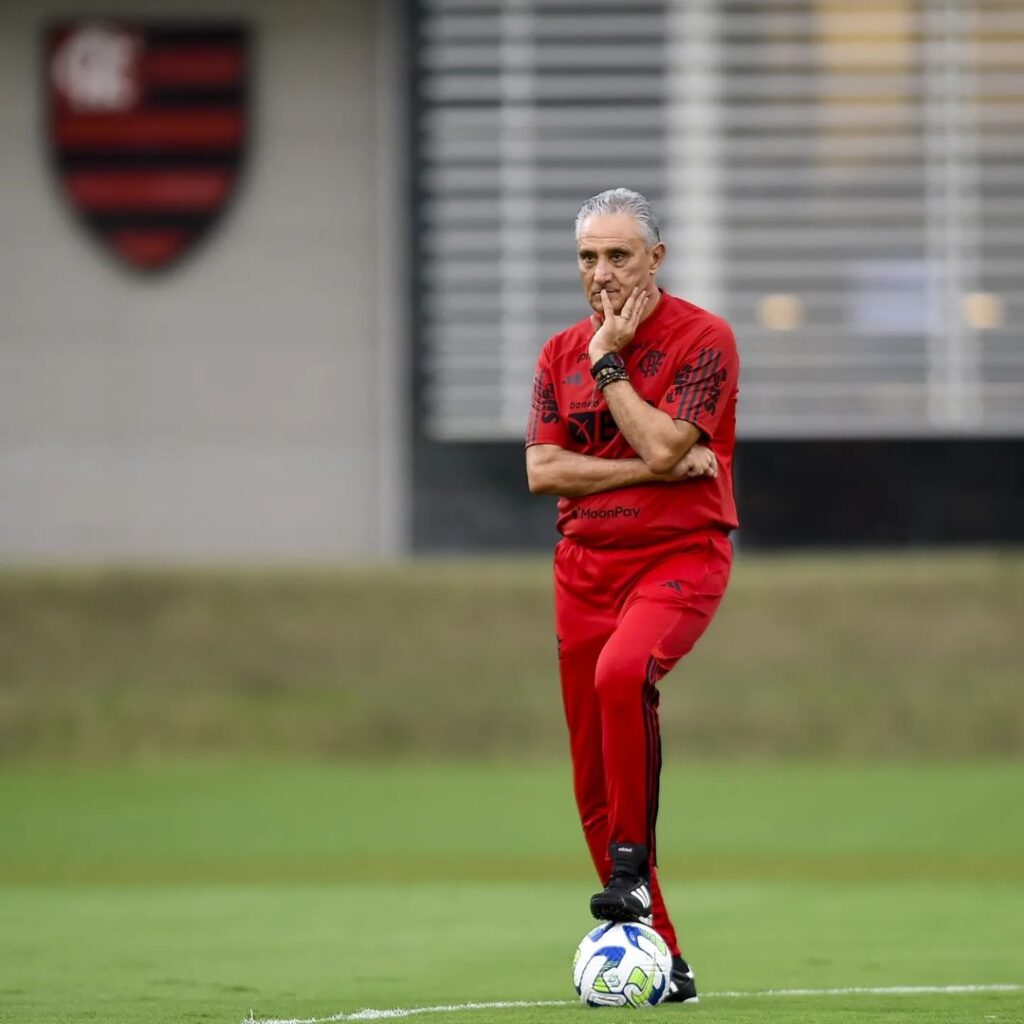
845,184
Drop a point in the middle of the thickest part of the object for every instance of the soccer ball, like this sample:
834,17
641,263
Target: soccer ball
622,965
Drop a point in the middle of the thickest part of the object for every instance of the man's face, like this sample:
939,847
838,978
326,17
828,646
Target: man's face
612,255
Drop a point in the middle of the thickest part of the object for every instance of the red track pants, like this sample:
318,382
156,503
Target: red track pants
624,617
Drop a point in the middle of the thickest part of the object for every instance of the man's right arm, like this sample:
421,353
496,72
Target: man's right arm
554,470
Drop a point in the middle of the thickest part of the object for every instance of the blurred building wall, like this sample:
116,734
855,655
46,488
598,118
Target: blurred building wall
245,404
843,182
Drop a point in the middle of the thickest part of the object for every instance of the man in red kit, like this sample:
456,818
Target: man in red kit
632,425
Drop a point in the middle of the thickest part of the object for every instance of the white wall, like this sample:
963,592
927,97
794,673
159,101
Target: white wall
244,405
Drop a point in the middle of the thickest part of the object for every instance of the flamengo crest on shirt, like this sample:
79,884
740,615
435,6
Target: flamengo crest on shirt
147,127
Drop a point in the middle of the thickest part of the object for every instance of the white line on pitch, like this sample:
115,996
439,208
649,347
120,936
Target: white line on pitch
400,1012
892,990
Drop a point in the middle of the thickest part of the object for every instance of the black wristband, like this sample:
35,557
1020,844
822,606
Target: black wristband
607,362
609,375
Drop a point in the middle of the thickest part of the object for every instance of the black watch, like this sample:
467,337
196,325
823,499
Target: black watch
607,362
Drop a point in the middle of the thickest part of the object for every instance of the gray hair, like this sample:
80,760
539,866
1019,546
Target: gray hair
623,200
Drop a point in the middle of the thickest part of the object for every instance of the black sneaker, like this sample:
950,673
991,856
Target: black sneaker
627,897
682,988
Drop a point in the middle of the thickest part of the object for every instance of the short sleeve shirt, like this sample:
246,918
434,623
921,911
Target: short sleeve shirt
682,360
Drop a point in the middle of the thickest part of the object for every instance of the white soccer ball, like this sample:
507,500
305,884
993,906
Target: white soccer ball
622,965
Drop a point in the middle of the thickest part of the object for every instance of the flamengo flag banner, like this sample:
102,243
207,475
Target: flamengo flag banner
147,126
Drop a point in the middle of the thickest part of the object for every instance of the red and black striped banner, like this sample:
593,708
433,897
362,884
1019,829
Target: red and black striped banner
148,124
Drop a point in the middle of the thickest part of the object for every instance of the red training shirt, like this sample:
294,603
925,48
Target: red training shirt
682,360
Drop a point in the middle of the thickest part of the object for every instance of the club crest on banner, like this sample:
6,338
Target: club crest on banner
147,127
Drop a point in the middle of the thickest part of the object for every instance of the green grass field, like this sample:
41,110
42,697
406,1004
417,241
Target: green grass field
852,818
851,655
187,892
